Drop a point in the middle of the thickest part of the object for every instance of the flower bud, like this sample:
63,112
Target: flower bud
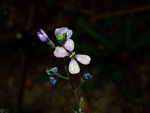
42,35
63,34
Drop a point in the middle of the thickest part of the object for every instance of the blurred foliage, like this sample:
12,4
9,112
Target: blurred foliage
117,36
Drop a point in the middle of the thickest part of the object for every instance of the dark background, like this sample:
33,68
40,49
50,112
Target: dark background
114,33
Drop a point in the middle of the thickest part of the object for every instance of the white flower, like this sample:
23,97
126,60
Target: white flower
61,52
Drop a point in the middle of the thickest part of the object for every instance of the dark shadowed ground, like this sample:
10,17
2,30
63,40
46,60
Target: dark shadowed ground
114,33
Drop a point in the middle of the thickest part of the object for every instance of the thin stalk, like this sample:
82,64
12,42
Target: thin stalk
65,77
75,93
95,100
69,77
74,90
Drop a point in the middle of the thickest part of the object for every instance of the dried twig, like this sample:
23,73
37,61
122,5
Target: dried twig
96,16
31,17
20,83
122,13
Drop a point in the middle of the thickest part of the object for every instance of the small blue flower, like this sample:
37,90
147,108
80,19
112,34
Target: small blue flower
53,72
52,80
42,36
87,75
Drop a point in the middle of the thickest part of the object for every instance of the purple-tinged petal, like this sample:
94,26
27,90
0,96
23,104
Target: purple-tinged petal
69,45
63,30
73,66
42,35
60,52
84,59
69,34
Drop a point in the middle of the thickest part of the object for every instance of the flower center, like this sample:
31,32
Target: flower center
72,54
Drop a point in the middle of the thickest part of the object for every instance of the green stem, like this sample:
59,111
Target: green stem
69,77
76,89
96,99
51,43
75,92
65,77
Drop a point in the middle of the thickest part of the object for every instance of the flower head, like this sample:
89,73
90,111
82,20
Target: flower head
53,72
42,35
63,34
87,75
61,52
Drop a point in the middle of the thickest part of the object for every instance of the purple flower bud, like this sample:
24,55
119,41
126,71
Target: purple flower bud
42,36
63,30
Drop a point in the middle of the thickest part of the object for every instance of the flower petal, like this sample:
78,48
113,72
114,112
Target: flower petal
69,45
54,70
62,30
69,34
87,75
60,52
73,66
84,59
42,35
48,72
52,80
